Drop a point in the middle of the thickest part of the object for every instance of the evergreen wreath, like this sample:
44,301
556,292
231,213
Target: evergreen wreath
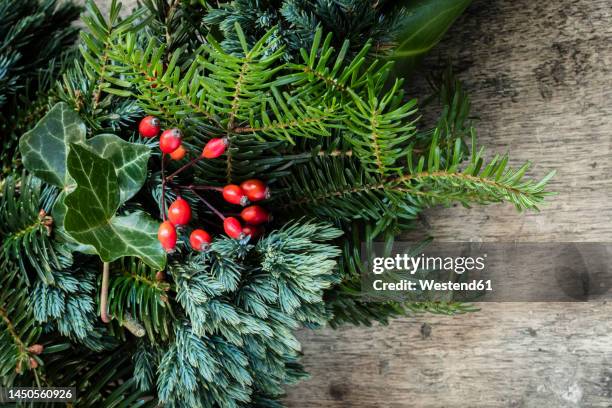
107,219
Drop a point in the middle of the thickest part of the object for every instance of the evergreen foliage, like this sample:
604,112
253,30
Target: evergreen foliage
235,336
35,38
351,147
296,22
324,122
403,29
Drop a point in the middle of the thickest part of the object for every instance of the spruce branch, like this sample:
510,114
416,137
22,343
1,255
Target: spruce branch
224,89
326,188
98,42
379,131
25,234
140,302
18,328
11,330
297,21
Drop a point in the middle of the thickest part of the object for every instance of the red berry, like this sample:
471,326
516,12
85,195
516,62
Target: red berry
233,194
255,215
179,212
255,190
179,153
214,148
170,140
149,126
233,228
167,235
254,231
200,239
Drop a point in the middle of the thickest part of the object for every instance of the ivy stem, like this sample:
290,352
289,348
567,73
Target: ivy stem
209,205
104,293
163,187
184,167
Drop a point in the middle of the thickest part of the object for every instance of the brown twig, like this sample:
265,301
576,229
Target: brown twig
163,187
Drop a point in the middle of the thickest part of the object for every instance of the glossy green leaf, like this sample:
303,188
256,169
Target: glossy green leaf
44,148
425,24
90,216
128,159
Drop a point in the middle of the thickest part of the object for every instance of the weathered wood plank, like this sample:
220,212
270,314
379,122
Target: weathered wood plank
539,74
506,355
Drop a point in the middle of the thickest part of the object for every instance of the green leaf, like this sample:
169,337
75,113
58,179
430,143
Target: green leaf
90,217
425,24
129,160
44,149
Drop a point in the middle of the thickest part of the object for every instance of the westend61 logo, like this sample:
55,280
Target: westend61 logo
495,271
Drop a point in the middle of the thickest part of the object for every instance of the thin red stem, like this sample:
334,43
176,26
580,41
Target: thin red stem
184,167
163,187
202,187
209,205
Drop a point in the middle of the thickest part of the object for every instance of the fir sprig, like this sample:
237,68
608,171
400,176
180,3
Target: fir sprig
25,229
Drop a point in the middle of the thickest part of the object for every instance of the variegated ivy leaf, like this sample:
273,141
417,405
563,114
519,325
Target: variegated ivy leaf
129,160
90,215
45,151
44,148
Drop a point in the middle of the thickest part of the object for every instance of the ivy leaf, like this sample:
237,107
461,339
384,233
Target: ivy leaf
90,216
425,24
44,148
128,159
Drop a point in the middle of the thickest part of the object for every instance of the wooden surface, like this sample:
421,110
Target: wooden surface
539,73
507,355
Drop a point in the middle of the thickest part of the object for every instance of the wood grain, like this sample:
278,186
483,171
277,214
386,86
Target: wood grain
506,355
539,74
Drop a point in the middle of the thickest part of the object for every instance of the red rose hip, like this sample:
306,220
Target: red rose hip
179,153
166,234
149,126
179,212
200,239
214,148
233,194
253,231
233,228
170,140
255,190
255,215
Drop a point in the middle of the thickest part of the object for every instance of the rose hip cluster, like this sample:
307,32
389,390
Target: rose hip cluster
179,212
